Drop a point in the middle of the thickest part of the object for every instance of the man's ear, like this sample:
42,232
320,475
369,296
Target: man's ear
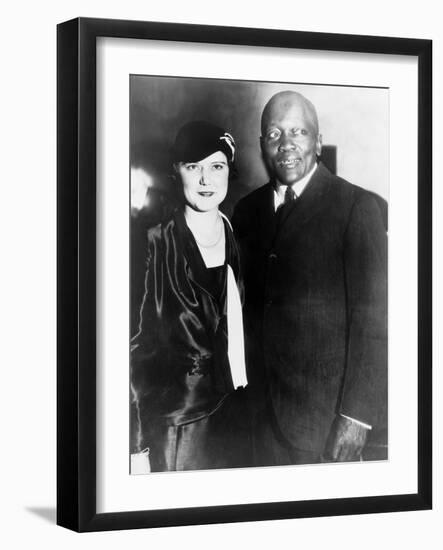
318,145
265,158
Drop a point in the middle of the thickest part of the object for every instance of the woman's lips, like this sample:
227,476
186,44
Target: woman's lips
206,193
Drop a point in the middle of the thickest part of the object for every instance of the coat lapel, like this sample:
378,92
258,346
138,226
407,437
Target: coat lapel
195,266
197,271
309,203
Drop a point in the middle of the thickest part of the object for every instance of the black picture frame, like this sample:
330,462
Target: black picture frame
76,279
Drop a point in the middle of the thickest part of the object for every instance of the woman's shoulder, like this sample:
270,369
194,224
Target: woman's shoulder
162,228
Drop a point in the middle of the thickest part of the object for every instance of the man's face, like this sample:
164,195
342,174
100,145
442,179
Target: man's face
290,140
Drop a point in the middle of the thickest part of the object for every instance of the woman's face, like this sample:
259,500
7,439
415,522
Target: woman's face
205,183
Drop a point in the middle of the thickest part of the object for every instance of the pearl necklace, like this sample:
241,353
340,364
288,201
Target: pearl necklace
215,243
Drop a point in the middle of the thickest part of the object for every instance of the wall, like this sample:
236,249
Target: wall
27,202
354,120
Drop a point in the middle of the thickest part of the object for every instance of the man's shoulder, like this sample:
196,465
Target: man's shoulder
349,195
345,188
257,196
338,185
247,210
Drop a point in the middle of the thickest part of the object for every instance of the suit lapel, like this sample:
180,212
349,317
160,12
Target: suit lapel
309,203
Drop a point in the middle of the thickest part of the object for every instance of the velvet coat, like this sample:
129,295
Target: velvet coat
184,407
316,306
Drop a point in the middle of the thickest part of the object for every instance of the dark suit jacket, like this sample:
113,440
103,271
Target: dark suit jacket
316,305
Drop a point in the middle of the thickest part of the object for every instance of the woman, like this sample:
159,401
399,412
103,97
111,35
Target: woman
185,369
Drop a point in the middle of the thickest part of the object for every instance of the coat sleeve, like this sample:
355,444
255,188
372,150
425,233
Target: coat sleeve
364,393
144,347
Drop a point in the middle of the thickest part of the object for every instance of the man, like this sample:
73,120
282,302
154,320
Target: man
314,252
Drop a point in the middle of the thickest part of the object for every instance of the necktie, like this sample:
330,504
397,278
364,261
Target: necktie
289,195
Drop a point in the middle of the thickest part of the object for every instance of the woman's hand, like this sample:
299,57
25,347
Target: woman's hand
140,463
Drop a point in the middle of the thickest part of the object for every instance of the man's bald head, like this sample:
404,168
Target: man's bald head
287,100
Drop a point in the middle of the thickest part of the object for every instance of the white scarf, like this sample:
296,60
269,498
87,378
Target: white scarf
236,343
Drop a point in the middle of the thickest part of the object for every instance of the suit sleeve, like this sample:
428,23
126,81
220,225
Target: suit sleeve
364,395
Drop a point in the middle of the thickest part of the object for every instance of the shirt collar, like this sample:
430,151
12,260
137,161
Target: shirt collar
298,188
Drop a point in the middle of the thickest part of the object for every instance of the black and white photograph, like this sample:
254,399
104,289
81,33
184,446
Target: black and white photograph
258,274
221,275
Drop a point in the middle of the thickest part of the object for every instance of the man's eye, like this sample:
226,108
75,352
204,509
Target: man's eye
299,132
273,134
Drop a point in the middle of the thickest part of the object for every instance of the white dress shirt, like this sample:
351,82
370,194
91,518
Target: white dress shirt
298,188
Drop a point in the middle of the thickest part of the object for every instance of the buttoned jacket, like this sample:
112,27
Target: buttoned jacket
316,305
